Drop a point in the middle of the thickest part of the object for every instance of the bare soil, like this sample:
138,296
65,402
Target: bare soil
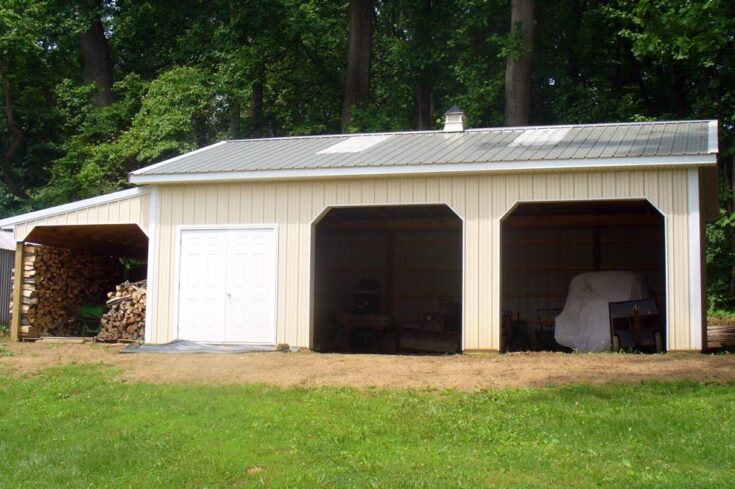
308,369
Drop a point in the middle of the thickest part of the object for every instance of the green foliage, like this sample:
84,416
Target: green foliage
174,113
512,45
677,29
719,259
88,429
178,113
92,161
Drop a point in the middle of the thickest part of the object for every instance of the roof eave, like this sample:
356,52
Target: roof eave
424,170
9,222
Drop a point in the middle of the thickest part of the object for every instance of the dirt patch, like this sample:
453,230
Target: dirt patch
364,371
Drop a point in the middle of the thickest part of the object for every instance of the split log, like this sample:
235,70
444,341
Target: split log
125,319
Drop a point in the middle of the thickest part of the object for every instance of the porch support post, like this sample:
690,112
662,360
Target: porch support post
17,293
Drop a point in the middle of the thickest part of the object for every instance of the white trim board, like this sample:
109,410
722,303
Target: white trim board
695,261
152,270
664,216
312,265
74,206
712,137
453,168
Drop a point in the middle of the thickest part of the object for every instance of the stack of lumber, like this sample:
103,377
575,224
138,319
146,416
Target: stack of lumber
720,336
125,319
55,282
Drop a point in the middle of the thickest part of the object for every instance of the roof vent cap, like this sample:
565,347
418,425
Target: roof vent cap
454,120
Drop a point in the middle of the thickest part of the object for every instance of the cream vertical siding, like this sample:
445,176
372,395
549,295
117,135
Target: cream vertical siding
133,209
480,200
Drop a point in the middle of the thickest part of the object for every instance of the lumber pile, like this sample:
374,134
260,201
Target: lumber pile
55,282
720,336
125,319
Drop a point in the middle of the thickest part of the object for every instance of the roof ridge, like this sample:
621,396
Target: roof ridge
589,124
327,136
475,129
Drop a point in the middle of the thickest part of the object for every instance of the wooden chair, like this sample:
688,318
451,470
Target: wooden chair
635,324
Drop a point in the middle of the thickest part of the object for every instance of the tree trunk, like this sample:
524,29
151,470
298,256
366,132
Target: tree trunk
256,107
518,69
422,88
234,116
423,106
14,143
573,48
357,82
97,63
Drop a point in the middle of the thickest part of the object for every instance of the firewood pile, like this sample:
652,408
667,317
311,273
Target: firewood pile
125,319
56,281
721,336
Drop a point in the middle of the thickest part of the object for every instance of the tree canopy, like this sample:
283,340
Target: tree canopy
93,89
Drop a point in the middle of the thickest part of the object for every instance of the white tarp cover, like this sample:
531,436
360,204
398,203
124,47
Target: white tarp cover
584,323
186,346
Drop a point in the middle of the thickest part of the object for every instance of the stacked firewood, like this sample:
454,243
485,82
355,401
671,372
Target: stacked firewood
125,319
56,281
721,336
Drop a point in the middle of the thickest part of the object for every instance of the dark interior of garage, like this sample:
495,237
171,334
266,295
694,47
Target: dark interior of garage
388,279
555,254
83,281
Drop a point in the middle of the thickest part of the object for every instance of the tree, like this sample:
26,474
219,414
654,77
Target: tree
518,66
14,141
97,63
357,81
24,73
419,17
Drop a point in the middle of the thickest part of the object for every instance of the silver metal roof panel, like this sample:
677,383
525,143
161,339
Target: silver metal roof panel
419,148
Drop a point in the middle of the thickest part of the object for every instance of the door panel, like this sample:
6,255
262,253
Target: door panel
250,313
202,285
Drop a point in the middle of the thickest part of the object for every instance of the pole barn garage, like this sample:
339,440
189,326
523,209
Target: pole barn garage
500,239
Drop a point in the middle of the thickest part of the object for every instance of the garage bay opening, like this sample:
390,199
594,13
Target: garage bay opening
388,279
584,276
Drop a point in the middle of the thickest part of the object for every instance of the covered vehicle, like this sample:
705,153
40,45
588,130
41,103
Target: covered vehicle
584,323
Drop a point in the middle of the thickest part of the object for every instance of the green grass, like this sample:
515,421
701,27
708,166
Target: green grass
82,427
718,315
4,350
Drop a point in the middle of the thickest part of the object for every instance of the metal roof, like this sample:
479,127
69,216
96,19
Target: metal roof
9,222
579,144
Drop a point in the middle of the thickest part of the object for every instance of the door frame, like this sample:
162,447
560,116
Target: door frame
381,203
222,227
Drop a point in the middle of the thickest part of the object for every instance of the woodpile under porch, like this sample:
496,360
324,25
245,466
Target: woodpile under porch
64,277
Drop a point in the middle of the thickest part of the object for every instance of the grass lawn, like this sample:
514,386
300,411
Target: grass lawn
82,427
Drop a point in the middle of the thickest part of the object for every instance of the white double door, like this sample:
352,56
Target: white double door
227,285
